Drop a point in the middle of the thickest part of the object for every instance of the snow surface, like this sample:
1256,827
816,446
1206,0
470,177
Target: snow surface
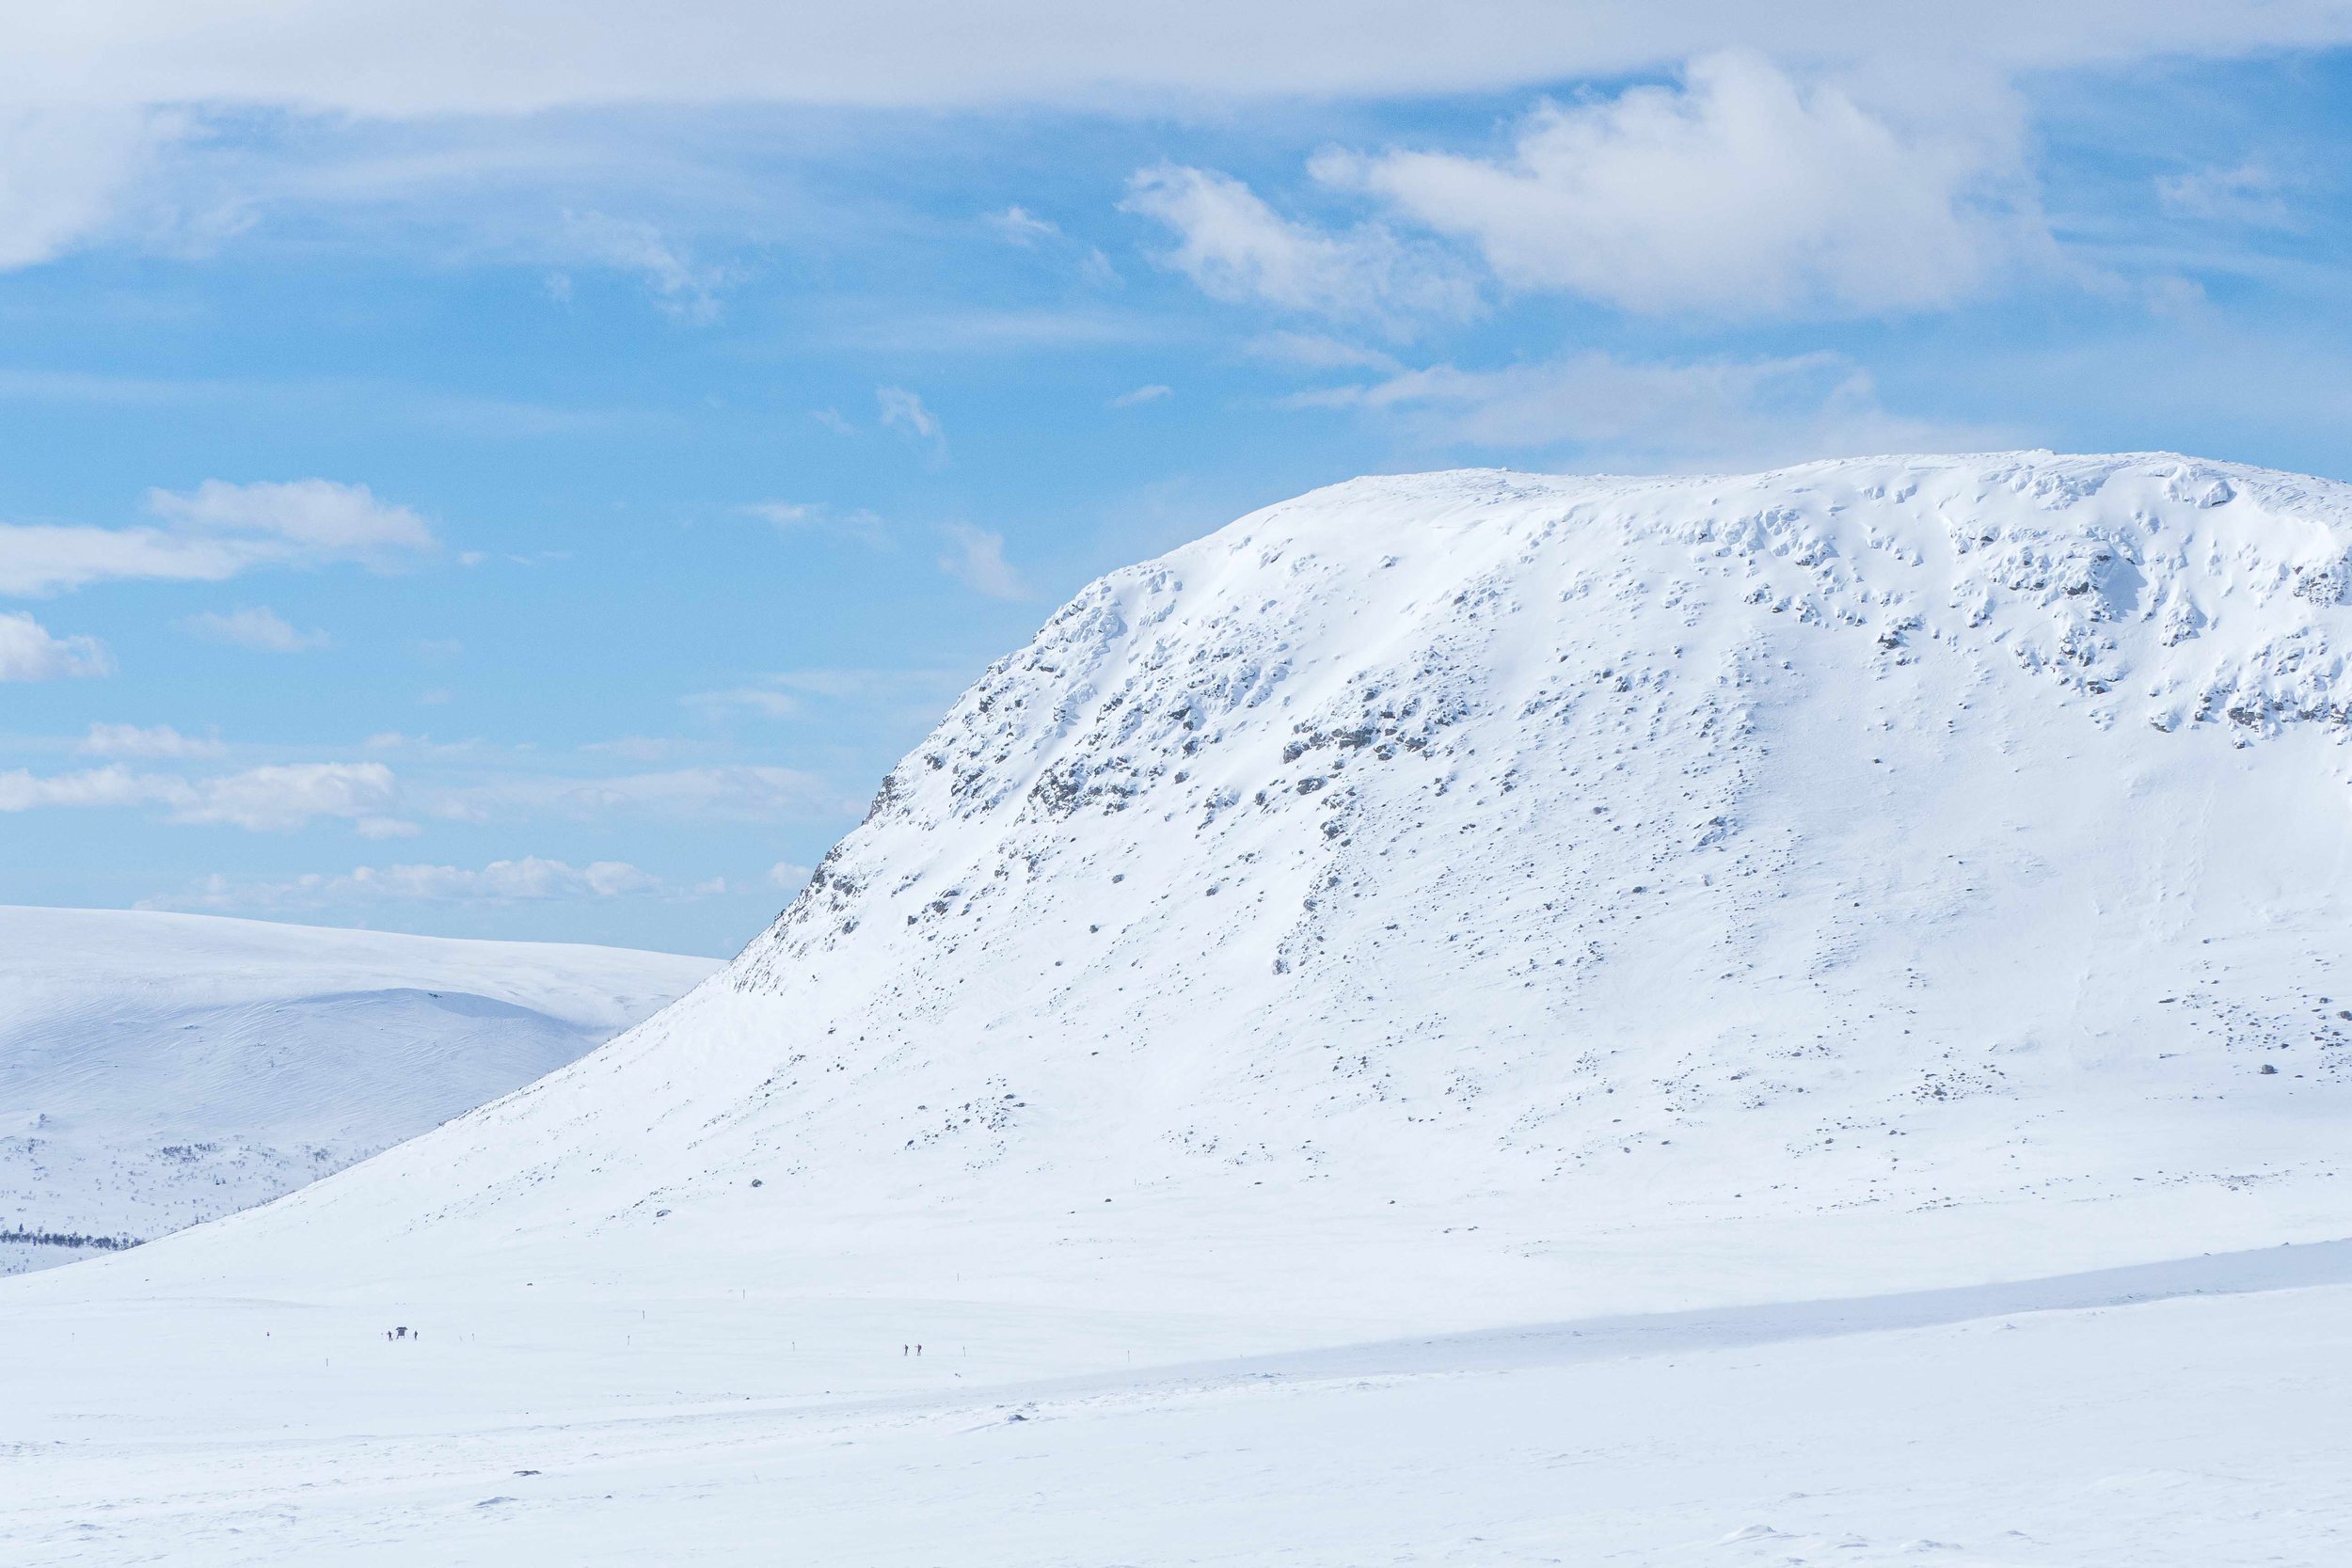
1434,904
161,1069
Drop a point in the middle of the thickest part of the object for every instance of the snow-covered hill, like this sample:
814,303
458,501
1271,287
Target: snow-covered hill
1433,904
161,1069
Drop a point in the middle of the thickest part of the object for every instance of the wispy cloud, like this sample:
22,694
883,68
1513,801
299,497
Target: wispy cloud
160,740
2248,193
976,558
738,793
680,287
1022,227
1710,413
215,532
905,411
793,693
1154,393
816,516
64,171
526,879
30,652
767,701
1236,247
277,799
1312,351
257,627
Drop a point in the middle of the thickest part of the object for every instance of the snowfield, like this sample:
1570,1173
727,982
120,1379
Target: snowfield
161,1069
1798,1018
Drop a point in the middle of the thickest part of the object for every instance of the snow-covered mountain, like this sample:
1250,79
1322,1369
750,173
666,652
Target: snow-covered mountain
1432,904
161,1069
1543,854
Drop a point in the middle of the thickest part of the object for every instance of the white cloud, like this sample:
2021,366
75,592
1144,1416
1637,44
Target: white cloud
526,879
277,798
786,875
21,790
410,57
281,798
1153,393
1235,247
84,134
311,515
262,629
1314,352
679,286
790,693
64,172
636,748
743,793
763,701
1738,193
43,557
129,740
2245,194
1724,413
1023,227
803,516
977,560
29,653
903,410
214,533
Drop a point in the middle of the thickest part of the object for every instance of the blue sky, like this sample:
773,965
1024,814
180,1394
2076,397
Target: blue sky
540,496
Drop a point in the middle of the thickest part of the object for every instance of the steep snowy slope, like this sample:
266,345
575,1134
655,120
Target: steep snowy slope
160,1069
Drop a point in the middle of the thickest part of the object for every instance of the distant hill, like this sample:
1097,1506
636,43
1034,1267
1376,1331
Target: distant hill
161,1069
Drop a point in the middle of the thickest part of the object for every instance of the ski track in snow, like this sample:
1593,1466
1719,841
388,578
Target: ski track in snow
1740,922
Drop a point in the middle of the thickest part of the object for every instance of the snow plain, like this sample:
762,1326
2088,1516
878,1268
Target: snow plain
1471,1018
161,1069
